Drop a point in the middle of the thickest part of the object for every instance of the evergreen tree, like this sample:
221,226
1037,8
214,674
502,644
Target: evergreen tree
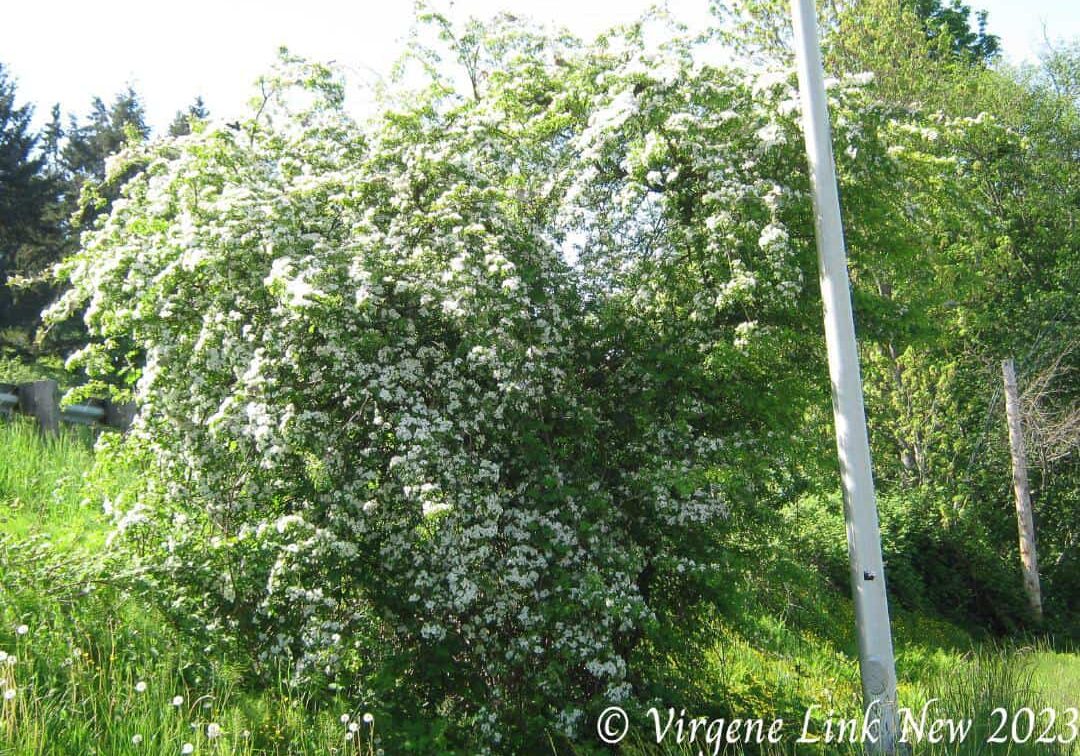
24,189
52,137
27,192
181,124
106,130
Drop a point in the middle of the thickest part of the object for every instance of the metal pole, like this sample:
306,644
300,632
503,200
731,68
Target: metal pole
860,508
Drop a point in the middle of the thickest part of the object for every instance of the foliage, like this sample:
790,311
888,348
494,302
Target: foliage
105,130
27,192
181,124
24,187
951,22
69,164
995,277
939,561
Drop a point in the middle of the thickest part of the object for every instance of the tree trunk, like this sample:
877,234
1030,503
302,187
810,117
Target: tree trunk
1028,556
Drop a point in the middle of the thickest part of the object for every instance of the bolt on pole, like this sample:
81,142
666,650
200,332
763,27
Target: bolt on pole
860,508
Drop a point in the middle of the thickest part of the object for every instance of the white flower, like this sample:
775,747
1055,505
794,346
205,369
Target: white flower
299,291
213,730
369,718
770,135
773,236
433,508
744,332
140,687
177,700
9,694
344,718
353,727
188,748
22,630
136,739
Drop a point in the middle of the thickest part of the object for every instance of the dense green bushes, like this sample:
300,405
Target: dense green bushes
936,559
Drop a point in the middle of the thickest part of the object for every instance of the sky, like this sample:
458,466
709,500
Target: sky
216,48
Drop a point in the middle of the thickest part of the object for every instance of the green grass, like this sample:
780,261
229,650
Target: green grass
783,642
42,487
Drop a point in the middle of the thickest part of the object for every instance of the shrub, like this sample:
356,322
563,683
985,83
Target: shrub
937,563
394,437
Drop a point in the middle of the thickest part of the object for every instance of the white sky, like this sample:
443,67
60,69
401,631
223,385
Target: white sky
67,51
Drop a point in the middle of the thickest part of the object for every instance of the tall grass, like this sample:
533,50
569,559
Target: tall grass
42,482
995,678
989,678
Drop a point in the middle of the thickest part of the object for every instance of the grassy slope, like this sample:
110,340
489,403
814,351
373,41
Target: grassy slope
785,642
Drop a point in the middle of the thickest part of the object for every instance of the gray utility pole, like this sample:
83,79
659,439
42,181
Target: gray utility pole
1028,557
860,508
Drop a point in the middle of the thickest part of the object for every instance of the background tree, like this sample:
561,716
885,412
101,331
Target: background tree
951,23
998,253
54,186
970,257
105,130
28,195
181,123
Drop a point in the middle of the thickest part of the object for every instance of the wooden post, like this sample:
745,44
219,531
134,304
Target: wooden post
120,415
1028,556
42,400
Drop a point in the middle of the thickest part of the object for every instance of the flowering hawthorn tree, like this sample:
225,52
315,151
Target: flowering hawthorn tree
392,424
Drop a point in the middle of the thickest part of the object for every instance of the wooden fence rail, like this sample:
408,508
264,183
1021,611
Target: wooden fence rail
41,400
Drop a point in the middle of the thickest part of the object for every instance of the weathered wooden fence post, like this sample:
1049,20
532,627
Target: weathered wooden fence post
1028,555
42,400
120,415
